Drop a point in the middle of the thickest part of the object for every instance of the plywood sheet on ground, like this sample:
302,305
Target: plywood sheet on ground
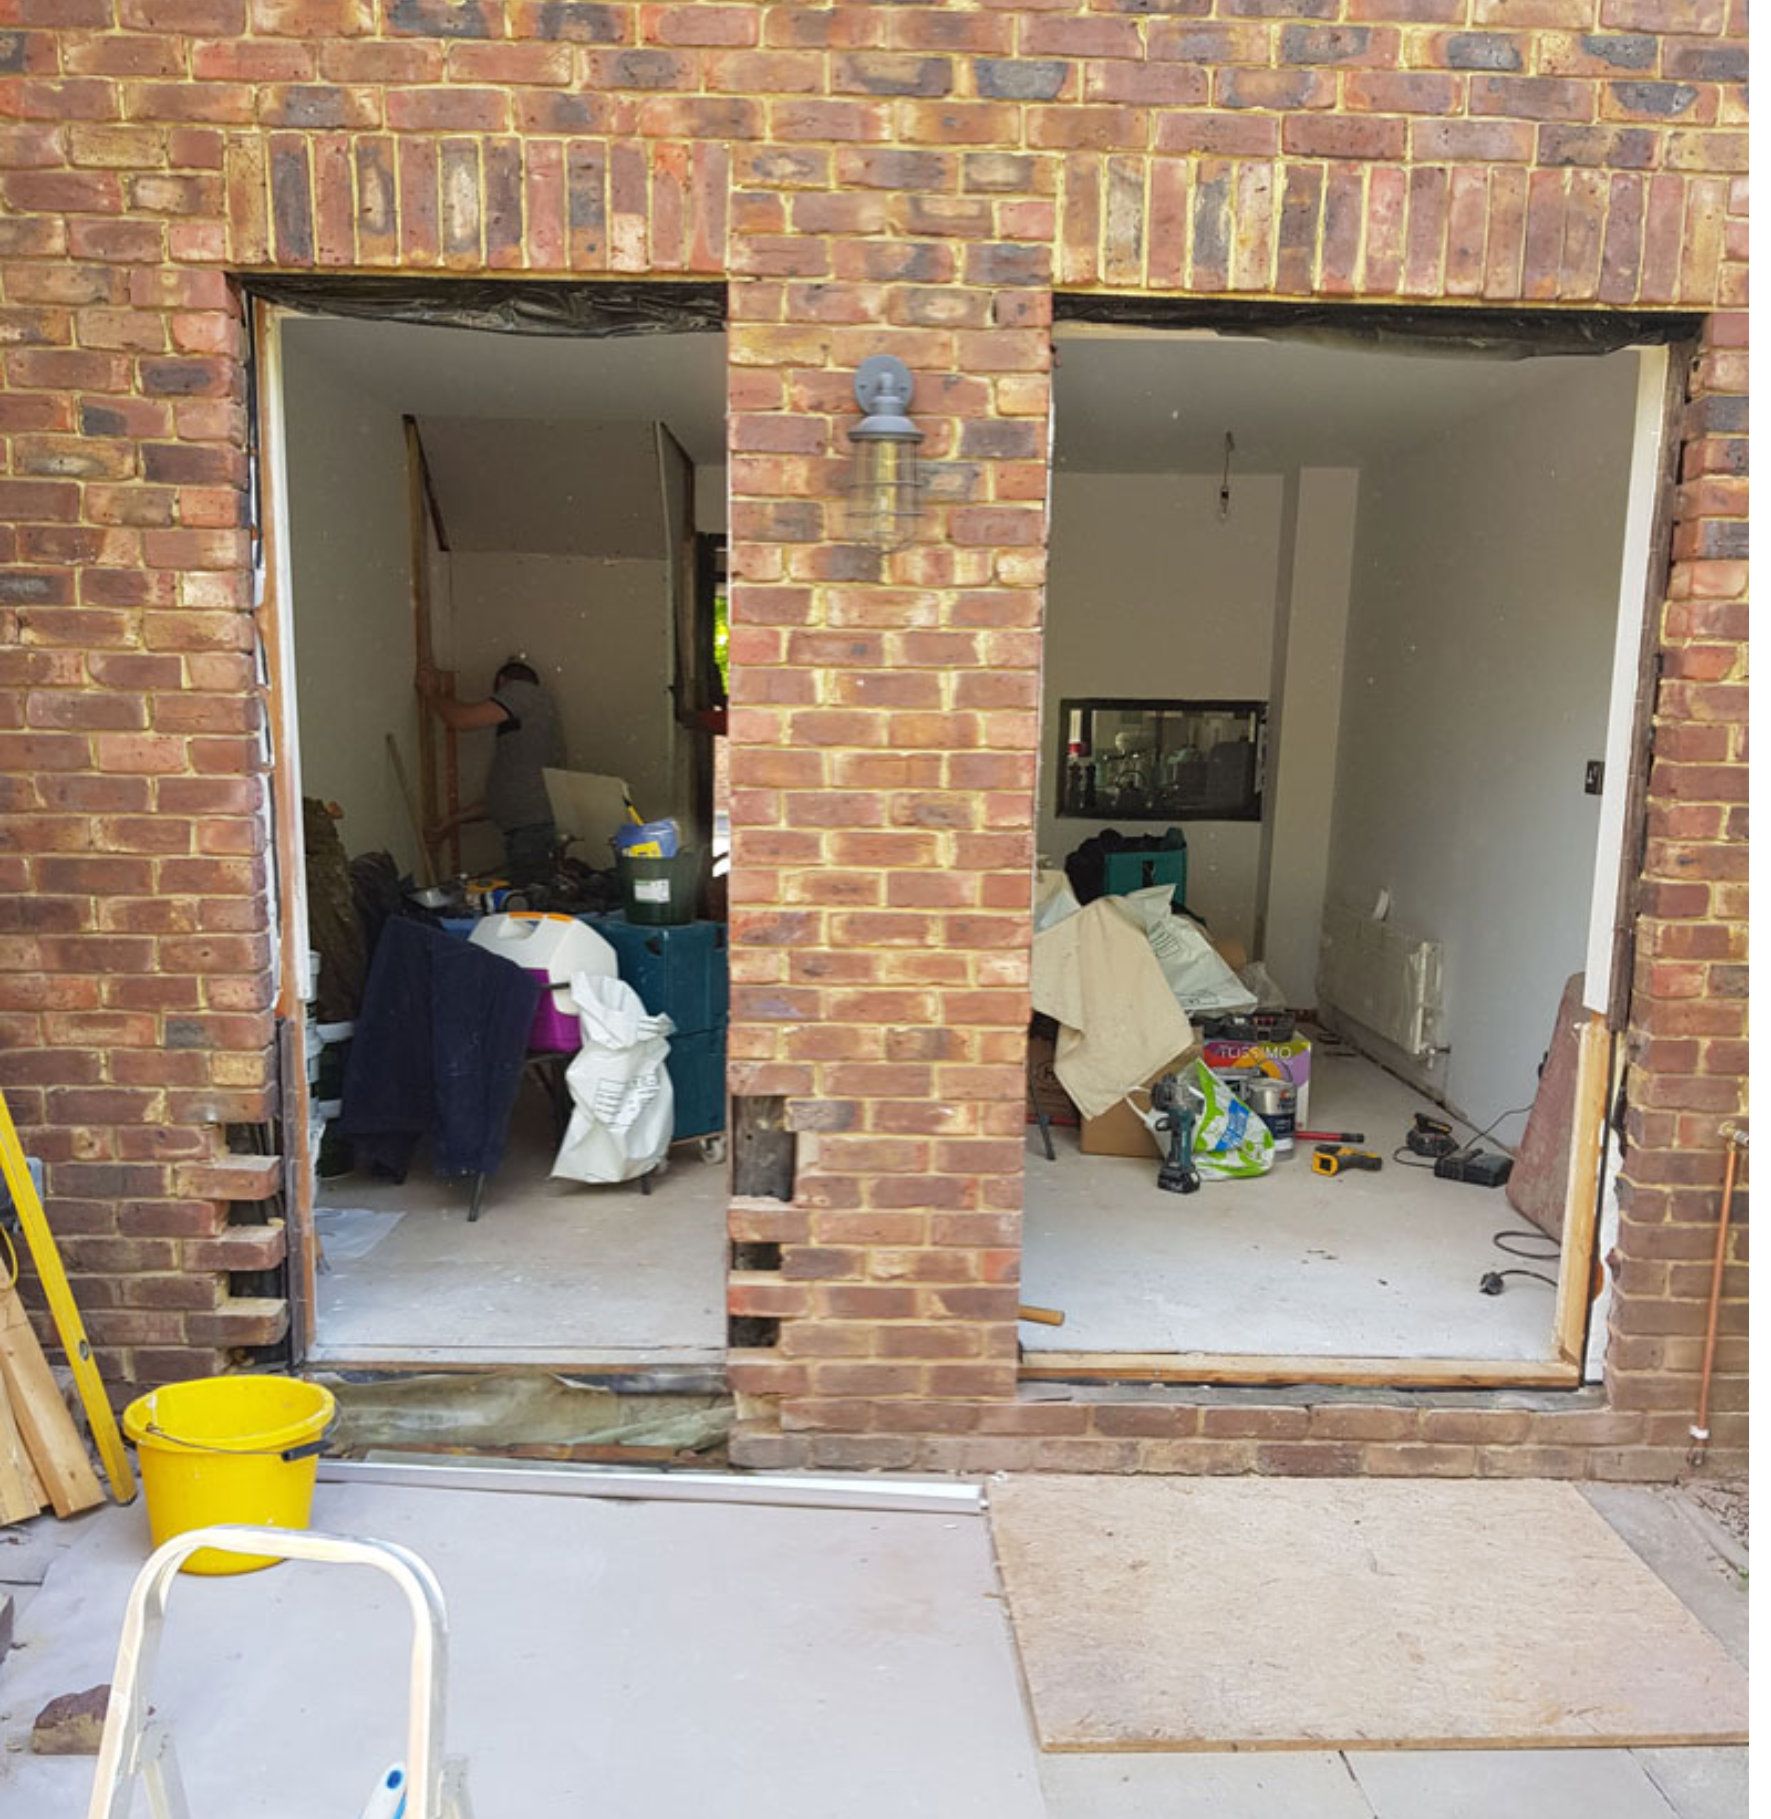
1262,1613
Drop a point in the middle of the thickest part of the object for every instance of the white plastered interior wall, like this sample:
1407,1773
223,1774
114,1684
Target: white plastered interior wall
1477,687
346,385
1153,594
350,580
597,632
1309,648
1437,606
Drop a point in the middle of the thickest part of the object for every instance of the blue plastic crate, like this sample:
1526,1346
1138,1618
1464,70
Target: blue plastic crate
697,1068
680,972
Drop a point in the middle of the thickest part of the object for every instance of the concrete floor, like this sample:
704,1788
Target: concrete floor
668,1660
1293,1264
553,1272
655,1660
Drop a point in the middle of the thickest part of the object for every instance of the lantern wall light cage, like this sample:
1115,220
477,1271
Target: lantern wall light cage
885,479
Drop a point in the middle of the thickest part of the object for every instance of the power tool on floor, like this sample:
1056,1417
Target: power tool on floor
1178,1104
1340,1158
1429,1136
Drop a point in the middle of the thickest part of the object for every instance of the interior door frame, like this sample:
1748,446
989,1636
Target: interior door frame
1663,360
274,611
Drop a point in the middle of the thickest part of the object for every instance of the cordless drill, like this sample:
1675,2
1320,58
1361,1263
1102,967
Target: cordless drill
1178,1102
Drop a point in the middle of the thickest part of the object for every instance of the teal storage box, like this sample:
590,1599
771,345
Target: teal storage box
697,1068
1134,871
679,971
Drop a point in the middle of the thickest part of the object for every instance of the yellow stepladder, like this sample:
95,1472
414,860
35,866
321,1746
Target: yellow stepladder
63,1309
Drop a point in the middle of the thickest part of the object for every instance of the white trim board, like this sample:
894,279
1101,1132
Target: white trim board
1632,606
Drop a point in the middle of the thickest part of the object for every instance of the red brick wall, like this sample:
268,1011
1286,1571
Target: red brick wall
871,176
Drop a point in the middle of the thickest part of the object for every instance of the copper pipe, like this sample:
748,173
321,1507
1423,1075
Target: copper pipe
1700,1428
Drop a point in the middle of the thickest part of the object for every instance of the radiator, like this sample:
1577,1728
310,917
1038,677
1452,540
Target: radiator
1383,977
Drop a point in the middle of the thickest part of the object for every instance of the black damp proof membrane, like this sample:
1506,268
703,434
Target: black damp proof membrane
588,307
1503,334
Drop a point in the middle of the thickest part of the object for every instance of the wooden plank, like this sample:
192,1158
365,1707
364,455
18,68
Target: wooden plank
21,1490
65,1312
1580,1214
418,555
431,504
1275,1372
426,869
452,780
43,1422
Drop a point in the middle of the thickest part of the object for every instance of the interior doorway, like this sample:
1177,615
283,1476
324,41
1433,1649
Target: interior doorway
1362,627
448,509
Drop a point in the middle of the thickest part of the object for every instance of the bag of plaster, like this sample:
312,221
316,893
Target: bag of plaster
1230,1143
623,1108
1196,973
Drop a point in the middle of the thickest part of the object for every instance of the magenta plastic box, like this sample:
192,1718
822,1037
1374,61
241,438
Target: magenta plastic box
554,1031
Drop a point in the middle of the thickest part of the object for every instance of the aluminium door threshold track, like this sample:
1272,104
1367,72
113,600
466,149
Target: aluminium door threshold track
929,1497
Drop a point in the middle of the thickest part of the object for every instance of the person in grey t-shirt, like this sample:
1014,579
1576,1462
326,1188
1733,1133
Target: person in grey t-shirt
526,740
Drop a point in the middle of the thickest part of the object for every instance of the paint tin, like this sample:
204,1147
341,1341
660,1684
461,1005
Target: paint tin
1274,1102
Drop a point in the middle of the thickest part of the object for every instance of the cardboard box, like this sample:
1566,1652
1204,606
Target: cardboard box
1044,1087
1119,1131
1283,1060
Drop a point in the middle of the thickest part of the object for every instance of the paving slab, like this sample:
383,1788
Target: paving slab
1519,1784
647,1658
1699,1784
1661,1534
1263,1784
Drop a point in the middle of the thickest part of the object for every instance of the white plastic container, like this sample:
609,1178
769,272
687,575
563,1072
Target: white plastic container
555,948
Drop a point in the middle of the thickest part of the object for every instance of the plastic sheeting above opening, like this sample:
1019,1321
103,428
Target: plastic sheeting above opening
591,306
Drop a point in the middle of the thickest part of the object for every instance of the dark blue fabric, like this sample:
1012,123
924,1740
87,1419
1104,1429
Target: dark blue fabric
438,1052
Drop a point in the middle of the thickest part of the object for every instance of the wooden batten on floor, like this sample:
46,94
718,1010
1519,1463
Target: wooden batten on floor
1222,1369
1580,1217
42,1455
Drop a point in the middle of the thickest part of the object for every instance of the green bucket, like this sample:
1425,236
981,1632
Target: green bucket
661,892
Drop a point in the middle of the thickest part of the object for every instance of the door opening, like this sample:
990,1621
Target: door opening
467,533
1362,628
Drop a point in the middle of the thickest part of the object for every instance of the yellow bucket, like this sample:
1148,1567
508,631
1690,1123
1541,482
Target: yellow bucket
229,1449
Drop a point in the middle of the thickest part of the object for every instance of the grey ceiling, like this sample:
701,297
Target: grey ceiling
1146,402
464,372
1127,401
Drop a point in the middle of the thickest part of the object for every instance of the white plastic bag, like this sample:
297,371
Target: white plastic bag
622,1104
1196,973
1268,996
1230,1143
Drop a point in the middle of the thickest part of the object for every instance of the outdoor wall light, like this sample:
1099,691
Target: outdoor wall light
885,480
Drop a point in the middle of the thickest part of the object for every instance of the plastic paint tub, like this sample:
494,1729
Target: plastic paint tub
229,1449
